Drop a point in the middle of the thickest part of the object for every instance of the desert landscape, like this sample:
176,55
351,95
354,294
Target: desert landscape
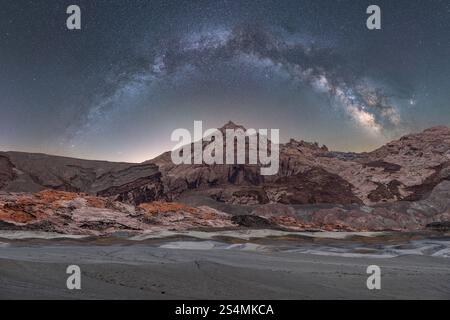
225,150
402,186
161,231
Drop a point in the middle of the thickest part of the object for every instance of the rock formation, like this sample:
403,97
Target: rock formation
403,185
82,214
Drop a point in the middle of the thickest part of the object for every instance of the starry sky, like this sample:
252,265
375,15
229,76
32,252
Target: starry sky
139,69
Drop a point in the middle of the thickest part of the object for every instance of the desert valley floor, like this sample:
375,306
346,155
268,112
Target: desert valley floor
202,265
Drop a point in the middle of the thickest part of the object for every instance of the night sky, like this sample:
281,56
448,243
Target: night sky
137,70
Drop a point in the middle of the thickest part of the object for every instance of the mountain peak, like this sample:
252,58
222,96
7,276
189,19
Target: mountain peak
437,129
231,125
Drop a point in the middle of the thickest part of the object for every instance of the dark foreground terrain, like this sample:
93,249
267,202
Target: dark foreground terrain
182,269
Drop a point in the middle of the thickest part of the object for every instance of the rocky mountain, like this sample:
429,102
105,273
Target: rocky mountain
29,172
405,169
403,185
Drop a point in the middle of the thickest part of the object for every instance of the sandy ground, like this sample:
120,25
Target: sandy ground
142,271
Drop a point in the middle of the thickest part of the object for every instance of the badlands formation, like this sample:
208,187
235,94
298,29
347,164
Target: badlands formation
402,186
